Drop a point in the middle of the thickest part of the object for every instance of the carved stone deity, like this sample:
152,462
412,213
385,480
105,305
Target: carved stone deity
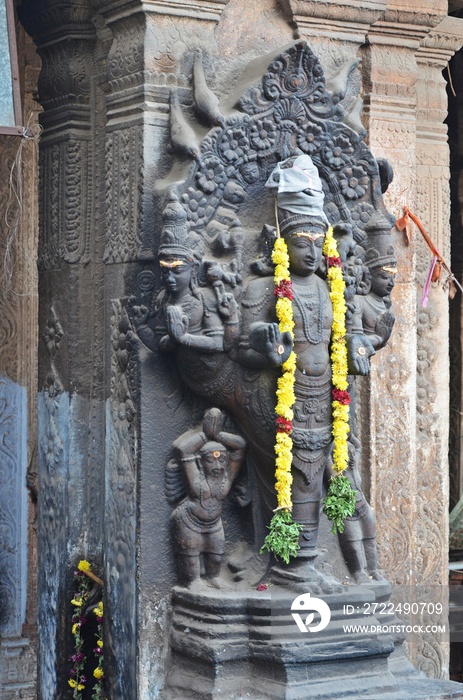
209,460
285,151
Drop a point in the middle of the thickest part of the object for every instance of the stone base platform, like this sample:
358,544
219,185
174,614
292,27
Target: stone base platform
237,645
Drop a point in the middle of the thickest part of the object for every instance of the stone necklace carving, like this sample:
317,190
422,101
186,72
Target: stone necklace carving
310,306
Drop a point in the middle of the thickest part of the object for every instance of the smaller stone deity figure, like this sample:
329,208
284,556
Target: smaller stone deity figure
373,309
209,459
188,316
358,541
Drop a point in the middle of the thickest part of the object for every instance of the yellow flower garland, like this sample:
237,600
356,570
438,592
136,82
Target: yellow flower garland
339,368
283,538
285,391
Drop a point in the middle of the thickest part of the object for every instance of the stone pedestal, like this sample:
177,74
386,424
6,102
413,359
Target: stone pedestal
234,645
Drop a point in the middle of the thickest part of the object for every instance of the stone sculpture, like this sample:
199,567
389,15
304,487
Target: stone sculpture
216,311
209,459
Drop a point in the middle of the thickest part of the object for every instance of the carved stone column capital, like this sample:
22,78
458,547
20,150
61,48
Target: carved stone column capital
442,41
62,33
336,29
333,16
51,21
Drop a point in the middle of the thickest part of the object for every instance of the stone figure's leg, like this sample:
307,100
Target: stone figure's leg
358,543
212,564
189,568
189,546
214,544
354,555
371,556
300,573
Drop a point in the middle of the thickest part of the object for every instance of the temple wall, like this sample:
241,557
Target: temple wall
18,390
108,68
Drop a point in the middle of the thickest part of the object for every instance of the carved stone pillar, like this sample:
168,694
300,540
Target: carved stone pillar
150,52
433,208
70,434
402,80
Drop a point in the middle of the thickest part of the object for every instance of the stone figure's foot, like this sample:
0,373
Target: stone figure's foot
196,586
247,565
373,579
205,585
301,576
362,578
369,578
375,576
218,583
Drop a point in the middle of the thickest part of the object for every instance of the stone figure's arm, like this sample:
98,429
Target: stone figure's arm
140,316
265,346
187,447
236,446
209,340
359,351
228,310
261,343
383,327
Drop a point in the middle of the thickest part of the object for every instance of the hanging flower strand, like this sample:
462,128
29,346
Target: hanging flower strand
283,537
339,502
78,681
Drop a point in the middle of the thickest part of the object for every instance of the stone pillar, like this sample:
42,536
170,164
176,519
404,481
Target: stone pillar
106,420
404,111
70,418
433,208
336,30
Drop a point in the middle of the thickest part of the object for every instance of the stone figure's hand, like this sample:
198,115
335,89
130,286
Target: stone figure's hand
384,325
359,352
139,315
212,423
177,323
227,305
267,339
166,344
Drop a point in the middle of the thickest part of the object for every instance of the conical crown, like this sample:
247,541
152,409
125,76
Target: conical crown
174,237
380,250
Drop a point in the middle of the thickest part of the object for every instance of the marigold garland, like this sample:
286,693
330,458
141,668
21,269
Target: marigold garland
78,681
340,499
283,538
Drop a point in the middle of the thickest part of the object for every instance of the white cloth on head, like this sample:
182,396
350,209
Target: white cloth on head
298,187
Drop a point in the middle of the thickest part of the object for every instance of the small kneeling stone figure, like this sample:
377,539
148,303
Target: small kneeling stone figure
210,460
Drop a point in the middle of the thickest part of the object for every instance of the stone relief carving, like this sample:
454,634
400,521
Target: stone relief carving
123,157
121,506
63,238
53,413
206,463
218,318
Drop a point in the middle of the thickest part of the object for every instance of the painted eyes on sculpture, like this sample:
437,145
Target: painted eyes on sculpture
175,270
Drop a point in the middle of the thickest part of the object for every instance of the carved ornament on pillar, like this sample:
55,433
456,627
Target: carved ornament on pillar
121,511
